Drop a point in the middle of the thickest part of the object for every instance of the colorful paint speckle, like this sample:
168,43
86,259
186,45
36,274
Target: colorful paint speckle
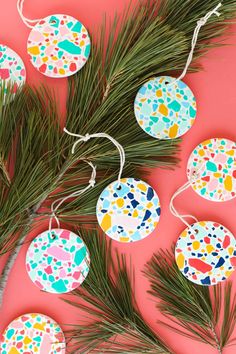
33,333
130,212
165,110
215,162
57,261
12,69
208,255
59,46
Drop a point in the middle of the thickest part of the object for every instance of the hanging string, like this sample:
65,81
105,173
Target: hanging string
57,203
101,135
200,23
195,175
29,23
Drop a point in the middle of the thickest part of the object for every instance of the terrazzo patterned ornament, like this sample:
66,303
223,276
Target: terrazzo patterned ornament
12,69
208,255
59,46
57,261
128,212
214,161
165,108
33,333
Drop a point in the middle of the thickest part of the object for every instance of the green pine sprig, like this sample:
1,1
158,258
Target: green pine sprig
205,314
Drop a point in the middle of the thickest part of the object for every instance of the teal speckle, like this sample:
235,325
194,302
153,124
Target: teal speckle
175,106
77,27
69,47
10,333
154,119
211,166
192,112
59,286
79,256
203,191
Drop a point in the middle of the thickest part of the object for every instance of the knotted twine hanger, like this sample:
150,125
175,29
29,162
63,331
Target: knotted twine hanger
28,22
200,24
84,138
57,203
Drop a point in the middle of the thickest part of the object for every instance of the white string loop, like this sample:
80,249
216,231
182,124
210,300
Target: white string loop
200,23
57,203
173,210
28,22
84,138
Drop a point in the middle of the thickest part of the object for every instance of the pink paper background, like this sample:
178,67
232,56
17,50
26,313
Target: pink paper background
214,88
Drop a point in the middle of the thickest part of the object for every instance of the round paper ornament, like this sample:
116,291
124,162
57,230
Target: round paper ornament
33,333
165,108
128,210
57,261
12,69
206,253
59,46
214,163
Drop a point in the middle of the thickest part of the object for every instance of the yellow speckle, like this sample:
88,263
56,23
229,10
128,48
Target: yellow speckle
34,50
202,223
217,174
184,234
135,214
142,187
228,273
39,326
27,340
55,41
45,59
230,152
196,245
62,71
150,205
13,351
159,93
106,222
54,58
201,152
163,110
230,250
124,239
209,248
180,260
82,43
173,131
228,183
120,202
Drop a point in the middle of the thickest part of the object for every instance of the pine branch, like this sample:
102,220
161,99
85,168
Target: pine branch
195,311
115,324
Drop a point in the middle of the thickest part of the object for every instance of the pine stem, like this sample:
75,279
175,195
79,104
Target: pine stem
217,340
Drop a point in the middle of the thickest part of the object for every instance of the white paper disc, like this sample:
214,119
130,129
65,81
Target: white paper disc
129,213
57,261
214,162
165,110
59,46
207,256
33,333
12,68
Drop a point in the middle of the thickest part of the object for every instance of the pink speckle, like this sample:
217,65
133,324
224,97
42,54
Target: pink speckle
59,253
4,74
48,270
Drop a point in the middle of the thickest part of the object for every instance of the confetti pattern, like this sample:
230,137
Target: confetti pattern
33,333
130,212
59,46
208,255
214,162
165,110
12,69
57,261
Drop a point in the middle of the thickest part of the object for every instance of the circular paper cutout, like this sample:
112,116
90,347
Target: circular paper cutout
12,69
214,162
207,256
165,108
57,261
129,212
59,46
33,333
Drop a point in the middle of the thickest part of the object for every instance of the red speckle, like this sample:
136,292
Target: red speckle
19,345
207,178
55,70
76,275
43,68
84,36
234,173
48,270
73,67
192,237
194,277
4,74
226,242
207,240
200,265
233,261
